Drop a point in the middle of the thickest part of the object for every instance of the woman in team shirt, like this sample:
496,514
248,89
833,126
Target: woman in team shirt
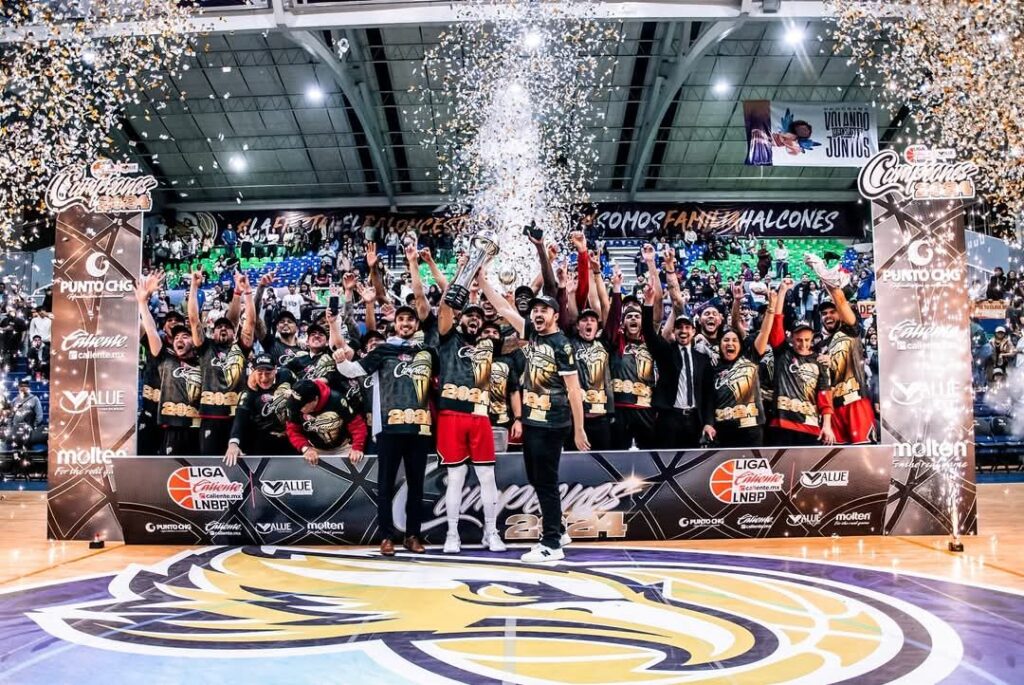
739,412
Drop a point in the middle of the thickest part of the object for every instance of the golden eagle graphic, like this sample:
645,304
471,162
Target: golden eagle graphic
541,366
594,357
326,425
739,378
234,367
644,362
193,382
420,369
498,386
489,621
839,351
807,373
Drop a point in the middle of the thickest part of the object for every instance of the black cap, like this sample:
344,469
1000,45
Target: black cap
712,305
826,302
589,312
303,392
473,308
178,330
408,309
630,301
263,362
23,383
316,328
802,326
371,335
284,314
174,314
545,300
682,318
224,321
523,291
491,324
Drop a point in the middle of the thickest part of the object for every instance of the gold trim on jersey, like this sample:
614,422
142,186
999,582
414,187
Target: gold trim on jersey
746,414
178,409
597,399
212,398
415,417
803,407
640,390
150,393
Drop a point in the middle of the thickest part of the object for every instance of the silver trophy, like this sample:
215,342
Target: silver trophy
484,247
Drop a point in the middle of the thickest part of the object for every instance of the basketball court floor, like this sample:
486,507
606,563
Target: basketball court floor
851,610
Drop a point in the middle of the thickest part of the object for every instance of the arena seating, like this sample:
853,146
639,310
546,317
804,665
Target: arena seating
28,463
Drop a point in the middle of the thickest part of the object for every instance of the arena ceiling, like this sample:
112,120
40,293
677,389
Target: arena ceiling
272,116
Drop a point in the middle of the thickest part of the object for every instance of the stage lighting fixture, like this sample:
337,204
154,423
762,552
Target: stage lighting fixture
794,35
771,6
720,87
237,164
314,94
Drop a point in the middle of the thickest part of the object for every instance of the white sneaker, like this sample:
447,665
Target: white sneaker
565,541
542,553
493,542
452,543
833,278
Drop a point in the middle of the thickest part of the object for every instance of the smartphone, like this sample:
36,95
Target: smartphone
333,304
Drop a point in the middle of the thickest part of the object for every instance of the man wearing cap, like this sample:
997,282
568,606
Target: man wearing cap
593,362
222,365
802,413
633,375
402,422
259,426
179,381
148,432
463,427
853,419
322,424
684,394
552,406
282,343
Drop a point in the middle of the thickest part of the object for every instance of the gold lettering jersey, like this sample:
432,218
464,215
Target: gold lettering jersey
180,385
846,364
633,375
738,402
545,397
465,378
505,373
223,372
403,386
595,371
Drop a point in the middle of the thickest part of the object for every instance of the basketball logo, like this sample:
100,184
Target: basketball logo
203,488
744,481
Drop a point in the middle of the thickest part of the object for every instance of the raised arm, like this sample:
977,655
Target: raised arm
651,259
735,317
546,271
266,280
439,277
612,334
765,332
244,289
579,241
412,258
143,291
504,308
597,284
843,308
376,277
194,320
369,297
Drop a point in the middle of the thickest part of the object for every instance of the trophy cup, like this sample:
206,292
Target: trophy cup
484,247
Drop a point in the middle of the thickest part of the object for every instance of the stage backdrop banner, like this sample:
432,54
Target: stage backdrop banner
922,309
805,492
638,220
95,365
809,133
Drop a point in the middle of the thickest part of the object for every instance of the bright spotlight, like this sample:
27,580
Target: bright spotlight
720,87
794,35
237,164
314,94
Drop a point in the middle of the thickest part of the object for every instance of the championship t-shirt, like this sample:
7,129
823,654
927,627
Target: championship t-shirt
263,412
798,380
846,364
328,428
465,377
223,371
595,370
180,386
312,367
280,352
545,397
504,382
633,376
403,386
738,402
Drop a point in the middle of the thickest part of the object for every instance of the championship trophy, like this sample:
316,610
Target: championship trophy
484,247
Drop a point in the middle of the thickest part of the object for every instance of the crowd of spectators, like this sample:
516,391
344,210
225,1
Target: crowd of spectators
25,338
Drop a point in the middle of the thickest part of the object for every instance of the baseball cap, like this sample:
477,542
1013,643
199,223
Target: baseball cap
1000,329
545,300
264,361
406,308
589,312
682,318
802,326
178,330
224,321
285,314
826,302
316,328
630,302
473,308
174,314
303,392
491,324
523,291
371,335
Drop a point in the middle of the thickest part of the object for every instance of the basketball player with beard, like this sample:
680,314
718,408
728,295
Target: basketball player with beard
316,361
222,365
803,395
853,420
633,374
322,424
259,427
506,402
553,405
463,427
177,371
593,362
739,411
283,343
402,422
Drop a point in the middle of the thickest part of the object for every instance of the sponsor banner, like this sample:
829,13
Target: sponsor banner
990,309
809,133
609,496
770,219
924,337
93,398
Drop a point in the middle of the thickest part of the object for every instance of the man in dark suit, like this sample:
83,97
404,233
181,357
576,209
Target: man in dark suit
685,393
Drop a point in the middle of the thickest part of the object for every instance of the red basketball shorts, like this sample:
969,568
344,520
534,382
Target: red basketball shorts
854,423
464,436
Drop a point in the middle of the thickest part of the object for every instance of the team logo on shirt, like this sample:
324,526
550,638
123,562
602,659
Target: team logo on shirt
643,360
326,426
541,367
418,367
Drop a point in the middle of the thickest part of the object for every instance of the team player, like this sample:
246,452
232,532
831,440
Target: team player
552,406
633,375
402,422
222,364
593,361
322,423
853,417
464,432
739,408
282,344
259,427
506,402
177,373
803,396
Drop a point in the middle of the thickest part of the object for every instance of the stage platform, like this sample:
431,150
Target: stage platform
853,609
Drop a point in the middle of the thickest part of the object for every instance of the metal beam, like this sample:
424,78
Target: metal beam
652,121
661,196
426,12
360,106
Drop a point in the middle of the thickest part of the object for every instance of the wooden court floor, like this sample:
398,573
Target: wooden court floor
994,558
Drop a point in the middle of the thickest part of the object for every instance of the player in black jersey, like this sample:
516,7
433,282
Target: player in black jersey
322,423
552,405
259,425
506,401
463,428
180,382
282,343
316,361
222,365
633,374
854,419
593,361
739,411
401,420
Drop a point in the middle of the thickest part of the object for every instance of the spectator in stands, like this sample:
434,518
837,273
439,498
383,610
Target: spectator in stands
764,259
293,302
40,324
996,285
177,249
26,414
1003,350
976,290
690,237
781,260
12,328
393,242
39,358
